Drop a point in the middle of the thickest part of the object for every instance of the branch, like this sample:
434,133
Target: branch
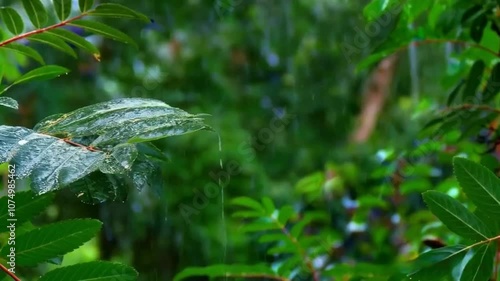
468,106
8,272
42,30
453,41
256,276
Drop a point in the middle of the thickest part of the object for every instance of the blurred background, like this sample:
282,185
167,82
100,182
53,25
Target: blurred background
298,121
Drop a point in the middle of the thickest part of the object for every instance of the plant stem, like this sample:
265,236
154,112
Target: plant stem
41,30
11,274
466,106
454,41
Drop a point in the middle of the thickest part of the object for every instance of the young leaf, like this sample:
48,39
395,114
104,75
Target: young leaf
480,184
36,12
74,39
52,240
480,266
9,102
117,11
85,5
54,42
95,270
12,20
249,203
223,270
25,50
455,216
63,8
474,79
268,205
27,206
104,30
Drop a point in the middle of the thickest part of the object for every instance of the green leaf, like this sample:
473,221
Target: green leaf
222,270
477,28
481,185
492,85
54,42
9,102
27,206
63,8
117,11
53,240
455,216
105,30
122,120
76,40
249,203
98,188
12,20
437,264
480,266
473,80
36,12
85,5
454,93
39,74
120,160
268,205
24,50
92,271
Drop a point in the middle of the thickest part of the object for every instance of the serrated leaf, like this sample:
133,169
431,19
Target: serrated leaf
85,5
480,266
129,120
25,50
117,11
249,203
473,80
455,216
492,85
222,270
53,41
12,20
50,162
481,185
36,12
63,8
75,39
52,240
27,206
92,271
9,102
104,30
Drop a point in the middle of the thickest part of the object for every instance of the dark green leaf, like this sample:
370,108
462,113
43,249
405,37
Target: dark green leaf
480,266
92,271
76,40
63,8
222,270
53,240
104,30
36,12
39,74
9,102
85,5
454,93
12,20
120,160
54,42
24,50
27,206
493,84
117,11
474,79
477,28
455,216
437,264
98,188
480,184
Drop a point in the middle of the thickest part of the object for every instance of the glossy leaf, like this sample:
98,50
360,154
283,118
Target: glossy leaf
27,206
104,30
25,50
85,5
98,188
36,12
9,102
481,185
75,39
437,264
52,240
117,11
12,20
480,266
455,216
474,79
53,41
222,270
63,8
92,271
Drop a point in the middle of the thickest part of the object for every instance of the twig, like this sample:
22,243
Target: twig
89,148
467,106
11,274
454,41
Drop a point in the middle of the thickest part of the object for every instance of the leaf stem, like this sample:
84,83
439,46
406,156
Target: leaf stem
8,272
41,30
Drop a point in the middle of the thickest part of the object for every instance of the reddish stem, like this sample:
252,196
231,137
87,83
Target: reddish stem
11,274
